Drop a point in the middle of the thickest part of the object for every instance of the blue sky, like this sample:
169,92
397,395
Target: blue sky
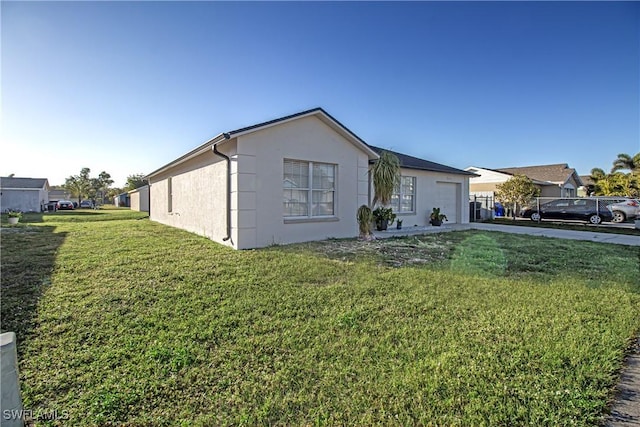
127,87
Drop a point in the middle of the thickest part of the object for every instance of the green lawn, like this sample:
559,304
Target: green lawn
124,321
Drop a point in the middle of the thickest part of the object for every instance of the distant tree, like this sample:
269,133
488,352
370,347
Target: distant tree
83,186
626,162
617,183
11,175
100,185
79,185
135,181
113,192
517,190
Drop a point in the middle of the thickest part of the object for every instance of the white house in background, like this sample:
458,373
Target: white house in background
297,178
557,180
139,199
24,194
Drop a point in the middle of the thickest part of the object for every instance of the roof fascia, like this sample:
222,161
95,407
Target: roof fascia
190,155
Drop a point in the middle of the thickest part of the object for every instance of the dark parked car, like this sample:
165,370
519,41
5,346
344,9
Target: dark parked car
86,204
576,209
65,204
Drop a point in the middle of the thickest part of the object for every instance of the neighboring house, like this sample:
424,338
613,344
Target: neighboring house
24,194
588,186
121,200
59,194
298,178
139,199
557,180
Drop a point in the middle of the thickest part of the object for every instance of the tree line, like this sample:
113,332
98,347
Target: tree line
83,187
617,183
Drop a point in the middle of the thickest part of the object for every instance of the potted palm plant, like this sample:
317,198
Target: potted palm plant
436,218
383,217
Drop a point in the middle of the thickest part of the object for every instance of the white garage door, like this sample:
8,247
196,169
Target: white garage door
447,200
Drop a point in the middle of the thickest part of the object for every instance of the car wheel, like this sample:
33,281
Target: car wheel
618,216
595,219
535,216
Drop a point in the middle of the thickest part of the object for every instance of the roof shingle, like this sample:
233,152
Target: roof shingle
558,173
11,182
411,162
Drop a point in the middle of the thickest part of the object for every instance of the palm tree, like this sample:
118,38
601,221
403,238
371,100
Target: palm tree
626,162
385,174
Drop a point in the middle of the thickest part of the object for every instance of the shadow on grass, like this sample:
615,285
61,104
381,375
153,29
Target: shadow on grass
27,261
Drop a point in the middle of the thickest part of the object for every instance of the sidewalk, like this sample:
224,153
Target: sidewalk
594,236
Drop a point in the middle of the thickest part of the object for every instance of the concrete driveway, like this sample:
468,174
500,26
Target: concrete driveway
594,236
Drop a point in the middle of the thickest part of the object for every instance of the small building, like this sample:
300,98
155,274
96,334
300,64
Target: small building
139,199
121,200
297,178
24,194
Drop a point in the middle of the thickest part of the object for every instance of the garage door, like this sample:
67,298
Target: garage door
447,200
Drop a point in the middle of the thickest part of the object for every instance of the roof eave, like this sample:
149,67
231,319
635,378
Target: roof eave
203,148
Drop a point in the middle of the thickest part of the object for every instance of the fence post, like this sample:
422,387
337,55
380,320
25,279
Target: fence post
11,404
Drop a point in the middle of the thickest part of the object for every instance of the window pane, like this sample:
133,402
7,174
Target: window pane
322,202
296,174
395,202
407,184
295,202
323,176
407,204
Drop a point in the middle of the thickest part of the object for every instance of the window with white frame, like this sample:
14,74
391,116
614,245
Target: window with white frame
404,195
309,189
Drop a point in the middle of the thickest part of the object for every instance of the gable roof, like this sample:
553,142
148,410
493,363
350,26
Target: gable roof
586,180
558,173
317,112
410,162
481,172
23,183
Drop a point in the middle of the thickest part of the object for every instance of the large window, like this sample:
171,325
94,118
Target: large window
309,189
404,195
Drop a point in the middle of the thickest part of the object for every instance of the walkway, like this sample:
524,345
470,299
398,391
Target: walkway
594,236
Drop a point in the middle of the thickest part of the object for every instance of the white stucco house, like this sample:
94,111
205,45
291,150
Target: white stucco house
297,178
139,199
24,194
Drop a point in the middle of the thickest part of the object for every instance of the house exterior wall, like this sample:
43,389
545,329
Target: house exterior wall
427,193
139,199
198,195
25,200
257,183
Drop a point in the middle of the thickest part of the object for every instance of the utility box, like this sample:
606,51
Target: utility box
11,413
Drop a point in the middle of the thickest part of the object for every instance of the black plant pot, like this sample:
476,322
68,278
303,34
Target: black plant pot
436,222
399,226
381,224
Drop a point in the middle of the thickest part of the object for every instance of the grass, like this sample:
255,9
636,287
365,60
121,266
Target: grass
124,321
